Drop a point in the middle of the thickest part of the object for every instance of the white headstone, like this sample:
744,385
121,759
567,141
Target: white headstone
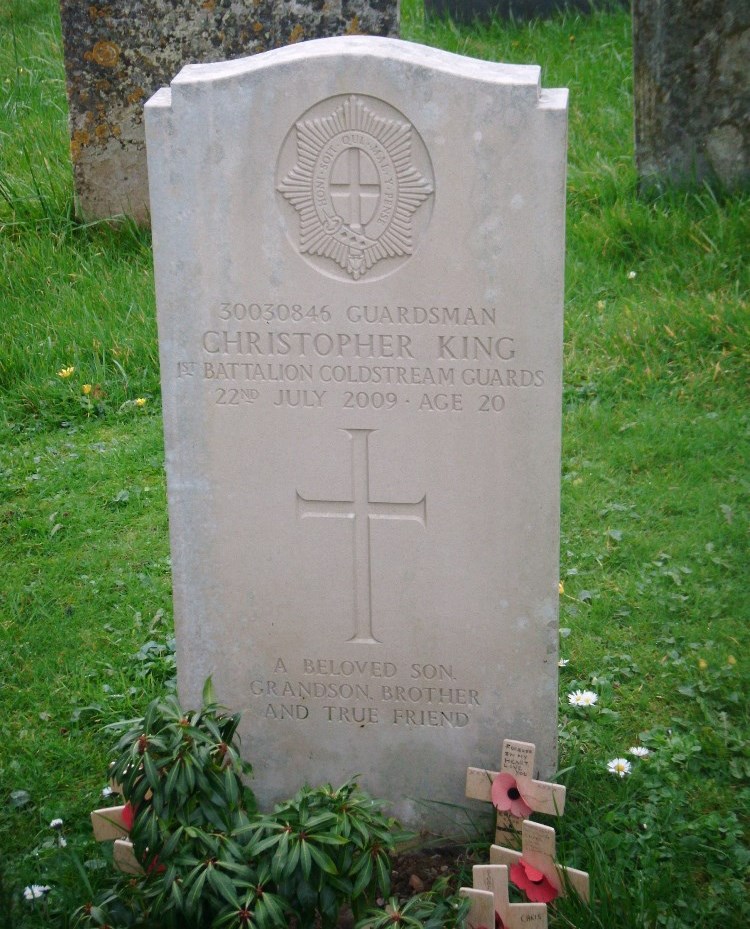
359,263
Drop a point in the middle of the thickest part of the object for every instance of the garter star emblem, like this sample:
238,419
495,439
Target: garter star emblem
359,181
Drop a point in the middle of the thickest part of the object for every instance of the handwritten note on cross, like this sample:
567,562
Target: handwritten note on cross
534,868
513,790
361,509
493,878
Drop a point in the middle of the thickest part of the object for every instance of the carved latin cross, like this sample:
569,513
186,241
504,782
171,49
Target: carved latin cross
361,509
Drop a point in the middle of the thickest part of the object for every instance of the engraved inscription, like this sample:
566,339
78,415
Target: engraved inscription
354,184
361,509
366,692
297,355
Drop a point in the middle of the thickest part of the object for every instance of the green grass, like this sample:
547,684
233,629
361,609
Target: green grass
655,495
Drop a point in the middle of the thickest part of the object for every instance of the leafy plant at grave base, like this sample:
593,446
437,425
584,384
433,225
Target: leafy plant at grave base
435,909
209,859
181,775
327,847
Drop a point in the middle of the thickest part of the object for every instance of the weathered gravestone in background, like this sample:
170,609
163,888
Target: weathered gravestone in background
118,54
359,264
692,91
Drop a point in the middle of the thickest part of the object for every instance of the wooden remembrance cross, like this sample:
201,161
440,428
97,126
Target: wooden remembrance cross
538,869
491,907
110,823
521,794
361,509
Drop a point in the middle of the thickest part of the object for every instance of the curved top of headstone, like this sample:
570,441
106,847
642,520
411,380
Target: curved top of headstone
364,47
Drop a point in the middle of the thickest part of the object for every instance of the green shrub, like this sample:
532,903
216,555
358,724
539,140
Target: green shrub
210,860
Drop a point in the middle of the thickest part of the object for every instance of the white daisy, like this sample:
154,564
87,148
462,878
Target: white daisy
62,842
35,891
56,824
563,662
631,275
582,698
639,751
619,766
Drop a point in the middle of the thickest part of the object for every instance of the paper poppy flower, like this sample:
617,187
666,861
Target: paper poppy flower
537,887
128,816
506,797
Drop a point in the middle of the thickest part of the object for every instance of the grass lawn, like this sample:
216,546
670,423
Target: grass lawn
654,600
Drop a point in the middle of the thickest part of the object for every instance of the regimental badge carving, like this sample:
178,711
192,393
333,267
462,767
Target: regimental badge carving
360,174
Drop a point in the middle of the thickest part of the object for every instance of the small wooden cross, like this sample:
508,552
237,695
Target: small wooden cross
520,793
481,913
494,877
534,868
110,823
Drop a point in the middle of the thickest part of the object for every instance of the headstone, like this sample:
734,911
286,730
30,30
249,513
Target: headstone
535,870
513,791
692,92
359,264
118,54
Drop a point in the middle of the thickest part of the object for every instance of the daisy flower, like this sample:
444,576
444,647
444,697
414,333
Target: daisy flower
563,662
639,751
35,891
582,698
619,766
56,824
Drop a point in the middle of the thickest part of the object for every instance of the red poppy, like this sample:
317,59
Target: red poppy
128,816
507,798
533,883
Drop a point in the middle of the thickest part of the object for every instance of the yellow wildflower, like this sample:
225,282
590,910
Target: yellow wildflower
702,664
65,372
140,401
86,389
